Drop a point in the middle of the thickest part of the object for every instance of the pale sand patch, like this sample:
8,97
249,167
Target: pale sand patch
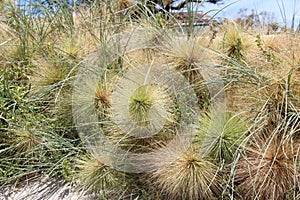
44,189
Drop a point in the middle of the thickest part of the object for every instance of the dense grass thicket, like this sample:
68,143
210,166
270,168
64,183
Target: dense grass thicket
247,149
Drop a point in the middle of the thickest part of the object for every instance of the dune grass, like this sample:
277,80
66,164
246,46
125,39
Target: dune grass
250,150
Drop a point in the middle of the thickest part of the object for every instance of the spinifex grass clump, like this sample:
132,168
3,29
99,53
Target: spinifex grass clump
147,114
51,74
22,141
103,95
190,58
142,101
142,104
235,43
94,176
220,138
188,177
268,167
187,56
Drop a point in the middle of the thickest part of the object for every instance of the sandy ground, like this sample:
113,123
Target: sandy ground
43,189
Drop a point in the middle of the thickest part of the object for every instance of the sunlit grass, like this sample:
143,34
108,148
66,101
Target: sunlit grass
220,138
270,160
189,177
252,153
93,175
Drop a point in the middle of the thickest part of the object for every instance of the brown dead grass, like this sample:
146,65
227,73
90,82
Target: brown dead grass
269,169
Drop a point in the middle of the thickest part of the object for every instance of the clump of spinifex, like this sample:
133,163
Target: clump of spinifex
151,119
95,176
188,177
221,139
270,160
143,102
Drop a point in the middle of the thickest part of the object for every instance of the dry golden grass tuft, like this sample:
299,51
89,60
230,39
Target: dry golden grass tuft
73,46
188,177
284,45
93,175
22,141
187,56
103,94
102,99
48,74
190,57
143,41
235,42
269,167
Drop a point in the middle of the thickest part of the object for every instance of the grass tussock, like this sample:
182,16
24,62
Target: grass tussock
235,42
188,56
270,160
188,177
95,176
220,138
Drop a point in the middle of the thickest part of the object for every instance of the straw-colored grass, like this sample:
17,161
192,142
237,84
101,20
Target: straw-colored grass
188,177
235,42
93,175
268,168
187,56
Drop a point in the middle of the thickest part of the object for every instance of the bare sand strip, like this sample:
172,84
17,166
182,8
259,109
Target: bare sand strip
44,189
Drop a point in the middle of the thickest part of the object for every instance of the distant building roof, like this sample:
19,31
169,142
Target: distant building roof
200,18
